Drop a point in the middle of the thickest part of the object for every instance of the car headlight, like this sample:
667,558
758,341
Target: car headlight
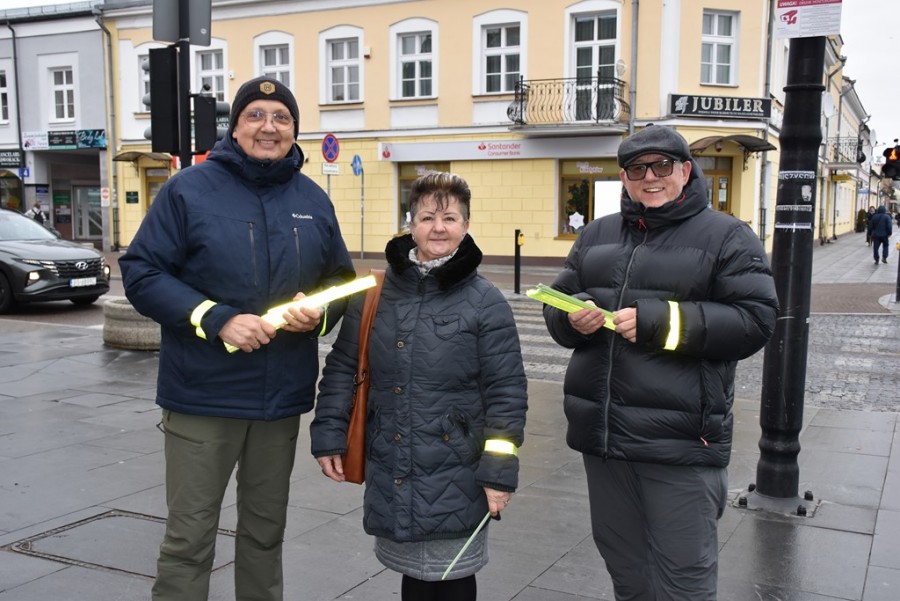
41,263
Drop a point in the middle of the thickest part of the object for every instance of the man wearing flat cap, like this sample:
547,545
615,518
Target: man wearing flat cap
649,402
224,241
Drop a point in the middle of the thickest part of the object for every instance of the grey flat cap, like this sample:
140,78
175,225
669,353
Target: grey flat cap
654,139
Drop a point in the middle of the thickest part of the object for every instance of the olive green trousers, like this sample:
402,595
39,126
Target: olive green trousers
201,454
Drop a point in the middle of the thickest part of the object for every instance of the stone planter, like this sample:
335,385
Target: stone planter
125,328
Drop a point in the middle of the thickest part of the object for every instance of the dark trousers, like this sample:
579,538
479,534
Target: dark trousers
880,241
656,527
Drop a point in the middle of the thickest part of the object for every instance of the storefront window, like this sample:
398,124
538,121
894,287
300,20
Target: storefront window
589,189
408,174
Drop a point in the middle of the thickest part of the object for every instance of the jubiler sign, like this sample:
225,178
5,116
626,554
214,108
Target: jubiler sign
720,106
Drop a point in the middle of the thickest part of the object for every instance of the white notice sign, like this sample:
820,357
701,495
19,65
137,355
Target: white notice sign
808,18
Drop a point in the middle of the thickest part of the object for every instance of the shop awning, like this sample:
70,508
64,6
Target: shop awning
746,142
131,156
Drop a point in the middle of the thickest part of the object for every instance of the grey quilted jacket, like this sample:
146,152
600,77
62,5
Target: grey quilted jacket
446,374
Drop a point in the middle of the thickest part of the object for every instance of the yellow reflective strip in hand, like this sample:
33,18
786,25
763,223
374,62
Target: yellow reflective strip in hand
674,327
197,316
503,447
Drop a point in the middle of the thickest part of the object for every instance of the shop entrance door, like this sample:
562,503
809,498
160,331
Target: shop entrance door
88,216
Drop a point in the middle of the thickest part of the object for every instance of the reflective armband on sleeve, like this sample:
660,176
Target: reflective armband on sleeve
502,447
674,327
197,316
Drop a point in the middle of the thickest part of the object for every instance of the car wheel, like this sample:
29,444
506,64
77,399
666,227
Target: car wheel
85,300
7,301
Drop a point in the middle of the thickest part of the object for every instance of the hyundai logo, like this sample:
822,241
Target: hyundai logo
81,265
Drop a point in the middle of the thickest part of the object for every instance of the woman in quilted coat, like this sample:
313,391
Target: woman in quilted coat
447,399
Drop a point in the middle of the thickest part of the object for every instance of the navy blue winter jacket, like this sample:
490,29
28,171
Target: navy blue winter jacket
247,235
446,374
880,225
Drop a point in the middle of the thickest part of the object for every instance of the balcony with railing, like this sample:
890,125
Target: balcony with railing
575,101
844,153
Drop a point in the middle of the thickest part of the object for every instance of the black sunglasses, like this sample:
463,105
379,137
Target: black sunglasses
661,168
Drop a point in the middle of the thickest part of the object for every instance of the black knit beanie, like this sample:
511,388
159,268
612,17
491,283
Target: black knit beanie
264,88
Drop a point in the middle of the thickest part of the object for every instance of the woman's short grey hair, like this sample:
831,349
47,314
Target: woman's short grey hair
442,187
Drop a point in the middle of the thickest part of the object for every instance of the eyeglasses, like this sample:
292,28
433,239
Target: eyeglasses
661,168
281,120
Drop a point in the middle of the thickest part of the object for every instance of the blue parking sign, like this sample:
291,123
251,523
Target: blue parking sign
357,165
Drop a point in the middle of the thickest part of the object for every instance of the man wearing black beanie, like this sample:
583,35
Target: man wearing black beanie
649,400
224,241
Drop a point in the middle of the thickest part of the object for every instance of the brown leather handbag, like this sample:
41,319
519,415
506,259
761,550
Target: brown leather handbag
354,460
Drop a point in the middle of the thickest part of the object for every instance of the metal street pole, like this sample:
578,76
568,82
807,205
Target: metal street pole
784,365
185,152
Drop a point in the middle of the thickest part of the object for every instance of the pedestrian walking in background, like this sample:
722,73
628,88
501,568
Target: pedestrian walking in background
649,404
880,230
447,399
36,213
223,242
869,215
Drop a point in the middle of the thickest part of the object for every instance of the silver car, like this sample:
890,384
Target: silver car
36,265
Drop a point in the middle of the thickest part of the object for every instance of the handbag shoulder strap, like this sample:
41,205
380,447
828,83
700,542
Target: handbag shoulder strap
370,306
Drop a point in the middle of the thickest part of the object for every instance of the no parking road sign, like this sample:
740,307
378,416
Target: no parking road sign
330,148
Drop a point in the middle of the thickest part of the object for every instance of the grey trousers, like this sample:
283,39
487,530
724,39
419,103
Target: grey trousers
201,453
656,527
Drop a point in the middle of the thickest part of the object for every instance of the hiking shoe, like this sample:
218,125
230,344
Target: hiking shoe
884,260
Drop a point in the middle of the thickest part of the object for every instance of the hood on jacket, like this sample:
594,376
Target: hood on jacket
261,173
465,261
881,209
694,198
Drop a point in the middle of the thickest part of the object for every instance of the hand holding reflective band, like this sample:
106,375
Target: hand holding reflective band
275,315
567,303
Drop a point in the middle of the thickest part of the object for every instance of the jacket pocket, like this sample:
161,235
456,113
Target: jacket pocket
458,433
445,326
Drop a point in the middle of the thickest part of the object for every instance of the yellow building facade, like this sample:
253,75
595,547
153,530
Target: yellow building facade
527,101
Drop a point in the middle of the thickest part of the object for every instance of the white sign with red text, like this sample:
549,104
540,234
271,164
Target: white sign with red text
808,18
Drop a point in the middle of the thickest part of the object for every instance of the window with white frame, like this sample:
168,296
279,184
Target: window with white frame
719,50
343,70
4,98
501,50
415,65
275,61
62,85
211,73
414,59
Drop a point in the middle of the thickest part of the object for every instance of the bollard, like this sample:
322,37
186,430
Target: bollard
125,328
520,240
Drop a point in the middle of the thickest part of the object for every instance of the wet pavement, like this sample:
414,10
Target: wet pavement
82,497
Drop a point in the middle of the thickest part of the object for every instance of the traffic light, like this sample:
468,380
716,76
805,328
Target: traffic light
891,167
209,115
162,101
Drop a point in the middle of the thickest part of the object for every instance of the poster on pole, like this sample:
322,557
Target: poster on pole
808,18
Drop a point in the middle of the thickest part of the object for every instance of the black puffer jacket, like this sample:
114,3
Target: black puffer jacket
446,373
638,401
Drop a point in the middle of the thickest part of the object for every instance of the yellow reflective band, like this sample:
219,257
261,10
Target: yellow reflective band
674,327
197,316
503,447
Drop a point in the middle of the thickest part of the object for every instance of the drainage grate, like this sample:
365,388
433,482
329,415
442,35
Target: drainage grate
120,541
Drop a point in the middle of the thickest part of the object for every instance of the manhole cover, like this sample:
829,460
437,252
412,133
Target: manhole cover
116,540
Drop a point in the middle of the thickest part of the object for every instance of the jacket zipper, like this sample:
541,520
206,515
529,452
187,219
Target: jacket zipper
612,344
250,226
297,248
